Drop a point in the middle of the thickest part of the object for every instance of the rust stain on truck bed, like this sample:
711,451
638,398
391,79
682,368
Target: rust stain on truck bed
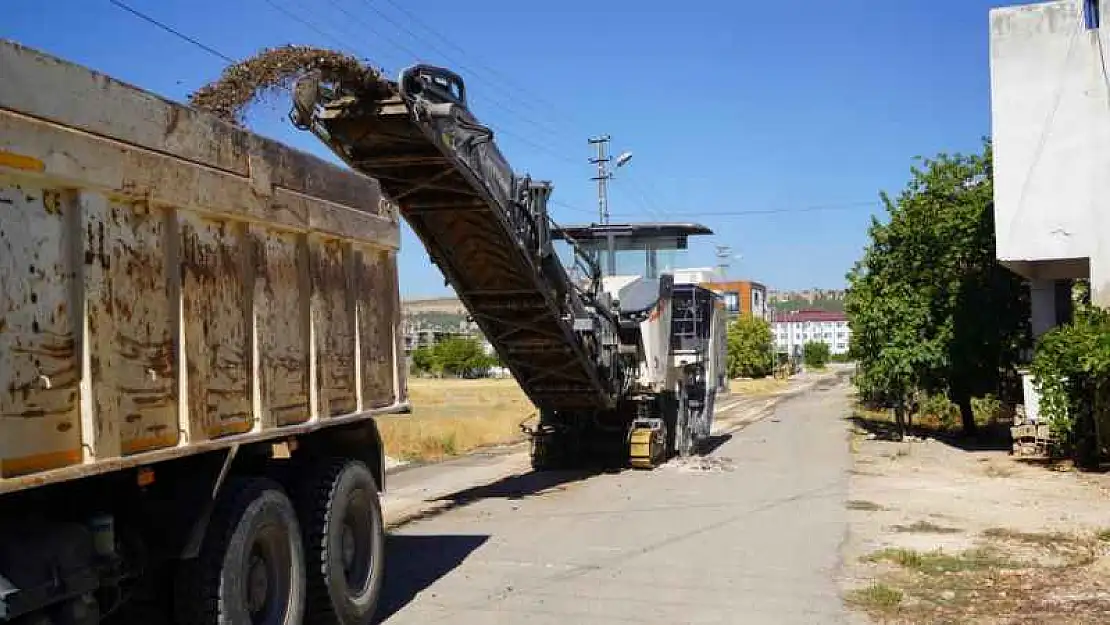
39,367
167,284
373,286
281,305
217,347
335,326
134,370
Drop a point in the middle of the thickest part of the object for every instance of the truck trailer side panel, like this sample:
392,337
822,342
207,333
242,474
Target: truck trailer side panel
171,284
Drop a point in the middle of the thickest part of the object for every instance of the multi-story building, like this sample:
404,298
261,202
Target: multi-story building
742,297
1051,141
791,331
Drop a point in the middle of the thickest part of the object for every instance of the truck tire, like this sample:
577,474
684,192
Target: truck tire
344,539
250,568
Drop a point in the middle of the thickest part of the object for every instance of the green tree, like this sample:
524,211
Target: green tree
930,307
816,354
749,348
423,359
459,356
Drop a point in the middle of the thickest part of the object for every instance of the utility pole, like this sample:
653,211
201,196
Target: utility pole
724,252
603,176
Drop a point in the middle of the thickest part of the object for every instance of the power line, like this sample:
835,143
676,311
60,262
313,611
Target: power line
577,209
459,66
505,81
172,31
315,28
640,197
354,17
802,209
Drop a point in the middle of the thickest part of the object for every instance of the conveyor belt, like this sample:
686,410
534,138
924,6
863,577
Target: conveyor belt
486,229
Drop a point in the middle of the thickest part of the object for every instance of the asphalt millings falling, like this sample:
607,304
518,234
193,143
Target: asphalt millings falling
274,70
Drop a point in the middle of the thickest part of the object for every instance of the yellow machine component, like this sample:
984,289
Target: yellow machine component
645,446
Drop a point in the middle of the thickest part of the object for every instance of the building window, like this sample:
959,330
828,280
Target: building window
732,302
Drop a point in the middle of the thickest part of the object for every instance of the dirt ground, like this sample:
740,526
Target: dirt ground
944,534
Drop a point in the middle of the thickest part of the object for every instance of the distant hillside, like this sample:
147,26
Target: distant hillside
448,313
812,299
440,313
450,305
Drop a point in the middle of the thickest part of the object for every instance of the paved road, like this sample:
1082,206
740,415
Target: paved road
749,535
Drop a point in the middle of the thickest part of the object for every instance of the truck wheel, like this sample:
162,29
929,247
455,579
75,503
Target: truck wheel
344,542
250,568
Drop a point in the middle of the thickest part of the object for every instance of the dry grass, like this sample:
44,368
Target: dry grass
452,417
876,597
758,387
1013,576
925,527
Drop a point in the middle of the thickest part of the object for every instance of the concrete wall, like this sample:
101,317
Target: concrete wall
1050,107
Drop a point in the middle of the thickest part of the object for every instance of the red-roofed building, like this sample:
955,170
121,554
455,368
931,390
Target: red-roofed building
794,329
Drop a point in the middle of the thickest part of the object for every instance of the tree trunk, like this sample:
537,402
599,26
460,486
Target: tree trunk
967,415
1085,429
900,419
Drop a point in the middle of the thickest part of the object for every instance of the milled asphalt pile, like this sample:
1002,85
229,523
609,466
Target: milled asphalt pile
275,70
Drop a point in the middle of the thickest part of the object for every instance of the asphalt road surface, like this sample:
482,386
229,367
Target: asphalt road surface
749,534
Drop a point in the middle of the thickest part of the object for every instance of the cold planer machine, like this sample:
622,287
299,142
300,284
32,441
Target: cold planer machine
593,343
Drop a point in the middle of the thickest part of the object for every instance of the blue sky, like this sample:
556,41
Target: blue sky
727,106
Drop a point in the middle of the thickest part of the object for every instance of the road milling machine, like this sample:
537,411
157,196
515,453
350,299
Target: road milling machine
622,363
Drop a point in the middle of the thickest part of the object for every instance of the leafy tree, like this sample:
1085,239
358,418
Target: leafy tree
749,348
423,359
816,354
459,356
455,356
930,307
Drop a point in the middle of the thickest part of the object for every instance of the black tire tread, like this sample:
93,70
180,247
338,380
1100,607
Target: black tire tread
313,496
198,581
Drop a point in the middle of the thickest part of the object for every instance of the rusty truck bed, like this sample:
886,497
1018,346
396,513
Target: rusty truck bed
170,284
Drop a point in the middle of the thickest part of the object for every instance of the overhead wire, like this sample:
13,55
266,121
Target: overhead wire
510,87
516,87
463,68
370,27
312,26
166,27
787,210
317,29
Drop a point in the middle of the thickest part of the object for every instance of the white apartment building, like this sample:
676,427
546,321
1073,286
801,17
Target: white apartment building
791,331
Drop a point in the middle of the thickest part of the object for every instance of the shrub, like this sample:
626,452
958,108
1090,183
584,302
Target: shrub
749,348
987,410
940,408
816,354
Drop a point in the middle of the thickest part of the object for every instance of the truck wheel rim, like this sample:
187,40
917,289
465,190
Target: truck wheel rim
267,579
356,546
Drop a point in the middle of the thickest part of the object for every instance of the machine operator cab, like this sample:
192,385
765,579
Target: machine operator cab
637,261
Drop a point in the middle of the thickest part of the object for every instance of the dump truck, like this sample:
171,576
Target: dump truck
198,327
